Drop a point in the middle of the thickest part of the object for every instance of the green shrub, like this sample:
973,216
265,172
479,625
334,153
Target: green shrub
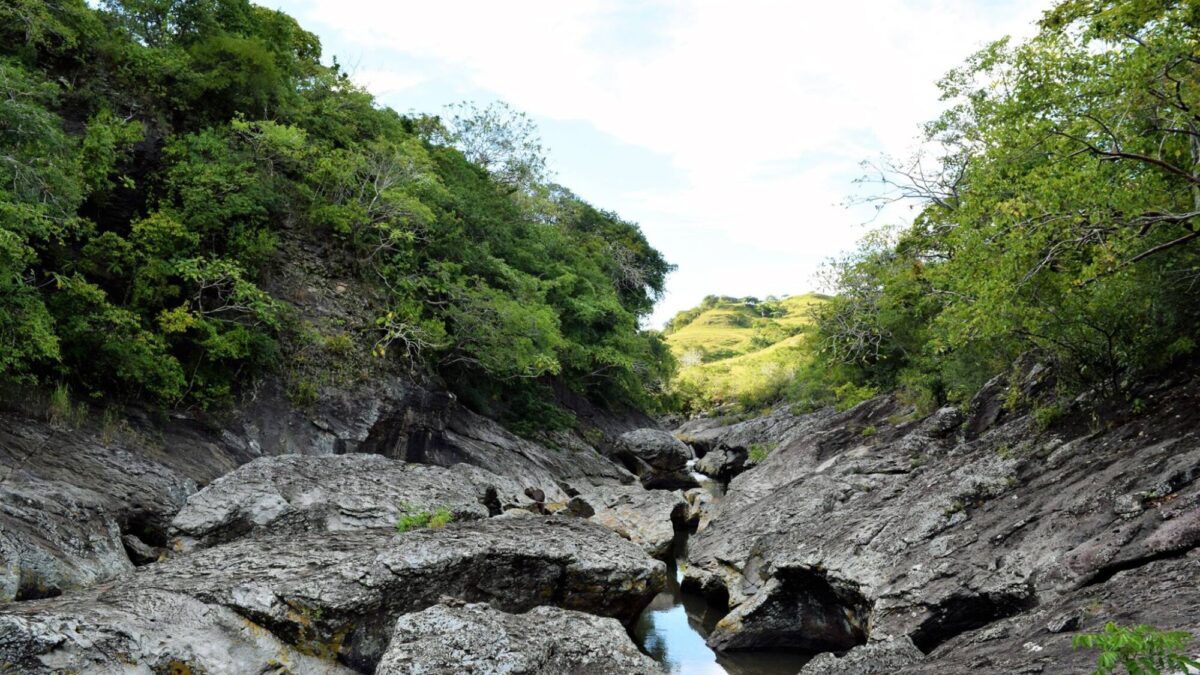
1141,650
760,451
433,520
1045,416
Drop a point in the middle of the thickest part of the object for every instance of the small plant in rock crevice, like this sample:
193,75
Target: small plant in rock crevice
760,451
433,520
1140,650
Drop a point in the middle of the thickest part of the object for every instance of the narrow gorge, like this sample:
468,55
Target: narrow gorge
295,383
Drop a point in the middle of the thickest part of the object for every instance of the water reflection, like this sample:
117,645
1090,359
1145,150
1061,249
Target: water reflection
673,628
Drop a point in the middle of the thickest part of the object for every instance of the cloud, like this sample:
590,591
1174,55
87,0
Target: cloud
763,107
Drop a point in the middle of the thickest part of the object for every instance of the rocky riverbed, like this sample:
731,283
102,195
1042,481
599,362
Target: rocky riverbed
868,540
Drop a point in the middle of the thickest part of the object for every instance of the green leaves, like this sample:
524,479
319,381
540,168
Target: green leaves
154,154
1062,213
1140,650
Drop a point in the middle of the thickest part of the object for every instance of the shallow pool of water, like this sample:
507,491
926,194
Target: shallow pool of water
673,627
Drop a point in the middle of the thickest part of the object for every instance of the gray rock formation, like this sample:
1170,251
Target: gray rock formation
295,493
912,532
479,639
780,426
332,593
648,518
73,500
884,657
1162,593
66,503
657,457
723,462
145,630
701,504
444,433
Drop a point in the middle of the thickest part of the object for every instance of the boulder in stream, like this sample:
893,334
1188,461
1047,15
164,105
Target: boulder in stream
659,459
648,518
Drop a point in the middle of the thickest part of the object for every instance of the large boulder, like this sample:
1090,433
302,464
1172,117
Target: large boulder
904,530
723,462
340,592
658,458
480,639
648,518
295,493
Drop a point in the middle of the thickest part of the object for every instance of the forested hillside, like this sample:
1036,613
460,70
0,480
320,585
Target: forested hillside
1060,197
155,154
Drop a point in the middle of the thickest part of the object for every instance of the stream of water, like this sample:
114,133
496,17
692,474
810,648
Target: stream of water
673,627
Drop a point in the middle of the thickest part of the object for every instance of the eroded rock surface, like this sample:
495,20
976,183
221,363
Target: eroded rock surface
66,502
477,638
723,462
143,630
339,593
922,534
1163,593
648,518
884,657
295,493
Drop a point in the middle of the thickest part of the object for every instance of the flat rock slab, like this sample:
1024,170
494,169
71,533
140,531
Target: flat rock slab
340,593
480,639
296,493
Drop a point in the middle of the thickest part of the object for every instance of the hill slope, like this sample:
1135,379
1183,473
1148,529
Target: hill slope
740,350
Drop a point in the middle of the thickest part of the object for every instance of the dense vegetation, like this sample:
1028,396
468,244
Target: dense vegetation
155,153
1061,215
742,353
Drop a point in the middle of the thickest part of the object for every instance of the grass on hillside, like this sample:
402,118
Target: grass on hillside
740,351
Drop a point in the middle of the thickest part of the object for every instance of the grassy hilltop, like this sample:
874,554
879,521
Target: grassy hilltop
741,351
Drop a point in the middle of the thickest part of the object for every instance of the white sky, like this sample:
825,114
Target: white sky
731,130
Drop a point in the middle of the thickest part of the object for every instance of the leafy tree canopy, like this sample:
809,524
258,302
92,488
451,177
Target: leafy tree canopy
155,153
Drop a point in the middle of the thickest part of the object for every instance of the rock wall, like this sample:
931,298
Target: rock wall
964,533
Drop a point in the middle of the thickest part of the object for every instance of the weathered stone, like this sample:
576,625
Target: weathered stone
648,518
939,536
66,499
796,610
723,462
143,630
141,553
1163,594
876,658
442,432
701,503
340,592
658,458
477,638
295,493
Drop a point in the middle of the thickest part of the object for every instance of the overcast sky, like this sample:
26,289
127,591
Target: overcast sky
731,131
